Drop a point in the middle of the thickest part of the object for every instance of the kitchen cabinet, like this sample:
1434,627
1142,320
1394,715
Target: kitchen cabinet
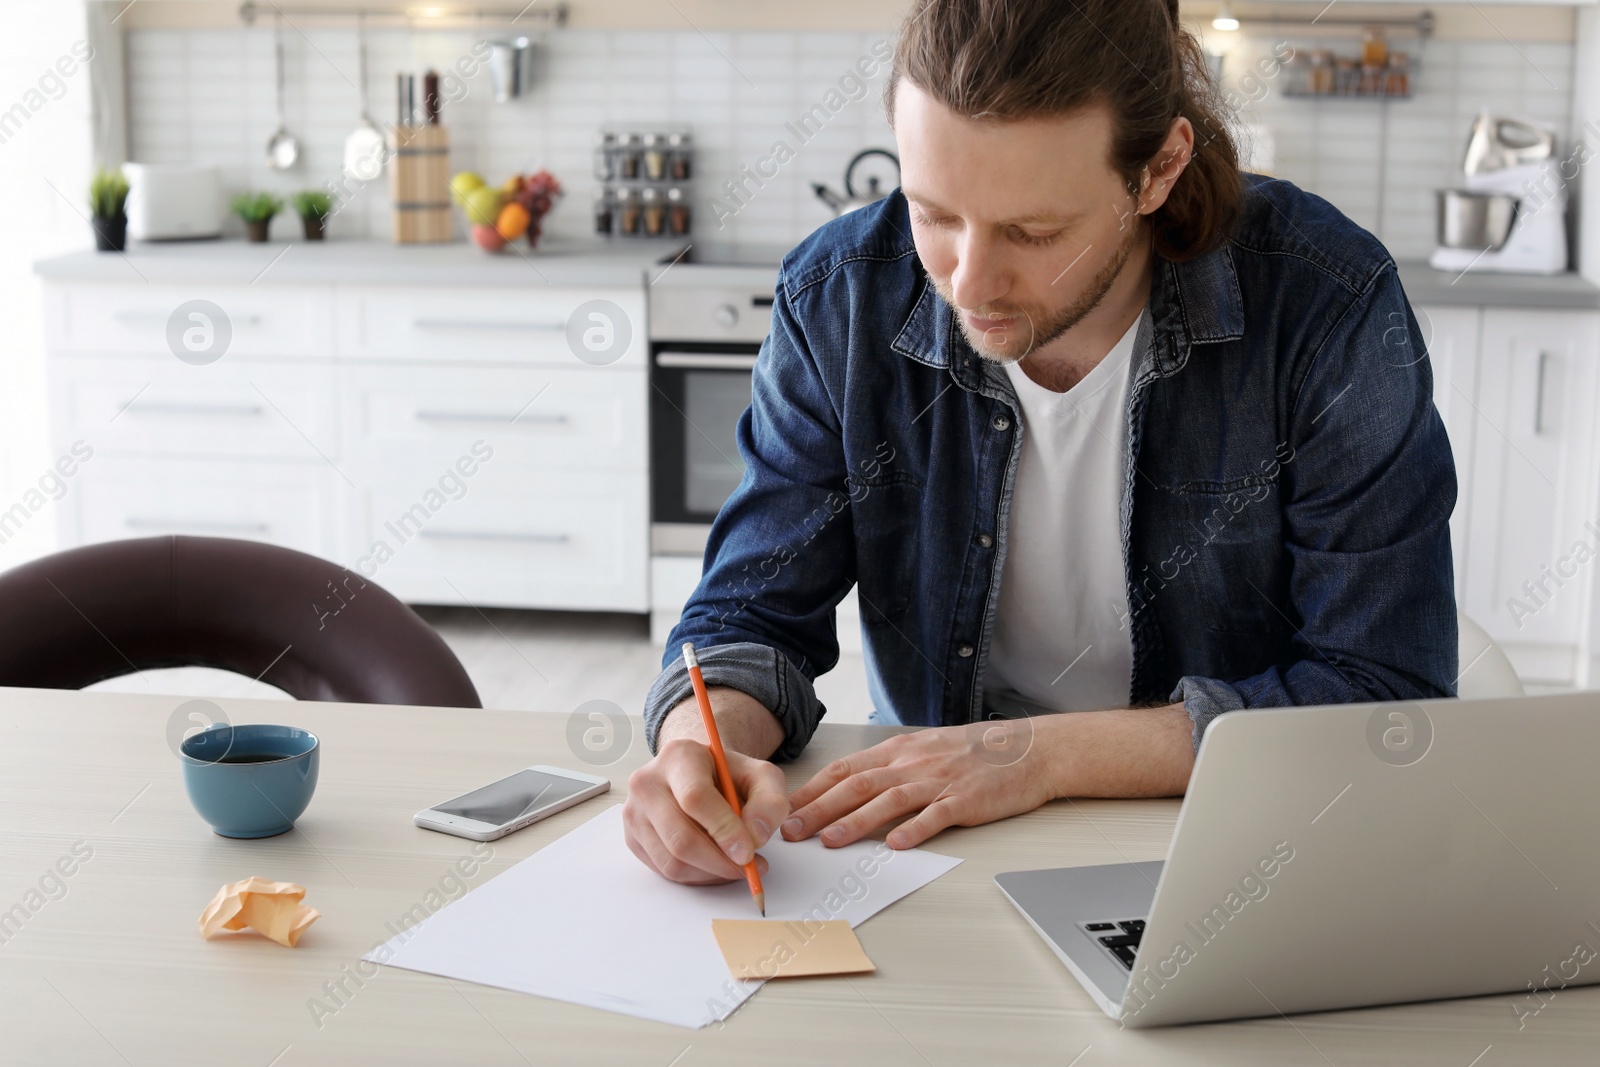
1517,390
442,440
1534,473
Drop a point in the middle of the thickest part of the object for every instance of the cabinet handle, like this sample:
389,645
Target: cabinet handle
705,360
190,524
469,535
195,409
480,416
1538,396
483,324
156,318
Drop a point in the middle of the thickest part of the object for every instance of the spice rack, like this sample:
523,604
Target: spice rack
1374,72
643,183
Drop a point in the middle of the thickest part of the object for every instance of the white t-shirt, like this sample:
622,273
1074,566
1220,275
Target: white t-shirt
1060,640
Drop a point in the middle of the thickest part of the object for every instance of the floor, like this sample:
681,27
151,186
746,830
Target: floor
528,661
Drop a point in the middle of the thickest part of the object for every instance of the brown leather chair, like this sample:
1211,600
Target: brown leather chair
310,627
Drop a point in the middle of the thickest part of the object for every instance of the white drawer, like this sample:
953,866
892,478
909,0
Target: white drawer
591,418
153,406
484,325
509,538
284,504
294,322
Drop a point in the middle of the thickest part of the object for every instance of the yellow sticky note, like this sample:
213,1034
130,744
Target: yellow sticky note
773,948
272,908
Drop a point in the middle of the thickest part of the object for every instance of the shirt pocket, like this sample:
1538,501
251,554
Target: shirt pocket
1234,533
1242,511
887,526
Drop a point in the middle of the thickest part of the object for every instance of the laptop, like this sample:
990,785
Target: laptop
1347,856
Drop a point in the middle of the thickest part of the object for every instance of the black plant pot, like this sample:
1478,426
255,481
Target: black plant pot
313,225
110,235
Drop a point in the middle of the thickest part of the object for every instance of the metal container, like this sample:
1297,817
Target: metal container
1475,220
510,68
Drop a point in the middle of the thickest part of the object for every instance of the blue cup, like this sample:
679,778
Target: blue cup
250,780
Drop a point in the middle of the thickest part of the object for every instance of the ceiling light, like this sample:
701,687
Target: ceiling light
1225,19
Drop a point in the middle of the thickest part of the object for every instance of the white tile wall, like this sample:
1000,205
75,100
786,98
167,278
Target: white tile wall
206,96
1380,161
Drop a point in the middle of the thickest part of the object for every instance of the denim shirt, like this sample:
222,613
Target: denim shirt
1287,489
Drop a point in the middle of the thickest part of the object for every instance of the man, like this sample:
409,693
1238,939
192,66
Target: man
1095,425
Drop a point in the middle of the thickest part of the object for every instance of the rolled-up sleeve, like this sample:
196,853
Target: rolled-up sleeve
781,554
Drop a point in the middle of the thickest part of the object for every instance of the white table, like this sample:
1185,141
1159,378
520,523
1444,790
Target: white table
115,970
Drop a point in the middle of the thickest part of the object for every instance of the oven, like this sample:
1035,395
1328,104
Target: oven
698,393
709,314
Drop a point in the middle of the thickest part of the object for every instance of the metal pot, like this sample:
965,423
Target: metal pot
1474,220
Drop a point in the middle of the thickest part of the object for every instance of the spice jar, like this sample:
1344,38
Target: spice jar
628,151
627,212
655,157
1374,49
605,151
680,153
1345,76
677,212
655,212
604,210
1398,80
1320,79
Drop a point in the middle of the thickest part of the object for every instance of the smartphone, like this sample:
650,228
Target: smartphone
515,801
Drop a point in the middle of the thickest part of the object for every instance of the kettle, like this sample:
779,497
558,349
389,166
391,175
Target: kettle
854,196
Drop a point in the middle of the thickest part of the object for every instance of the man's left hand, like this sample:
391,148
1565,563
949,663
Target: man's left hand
969,775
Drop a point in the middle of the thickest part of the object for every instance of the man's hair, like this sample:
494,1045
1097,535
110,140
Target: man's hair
1008,60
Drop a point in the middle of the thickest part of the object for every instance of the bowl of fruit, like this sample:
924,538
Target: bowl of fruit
501,215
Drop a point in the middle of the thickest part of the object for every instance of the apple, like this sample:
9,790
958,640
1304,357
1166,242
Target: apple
463,184
487,237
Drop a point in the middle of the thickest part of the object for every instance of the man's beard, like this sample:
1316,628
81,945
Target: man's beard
1045,328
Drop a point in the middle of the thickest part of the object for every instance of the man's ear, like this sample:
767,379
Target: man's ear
1162,172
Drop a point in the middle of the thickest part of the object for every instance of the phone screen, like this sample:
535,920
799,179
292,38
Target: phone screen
504,801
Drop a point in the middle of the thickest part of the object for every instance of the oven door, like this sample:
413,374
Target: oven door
699,392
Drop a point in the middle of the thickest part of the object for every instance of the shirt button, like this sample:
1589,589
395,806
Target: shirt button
964,651
1001,423
985,540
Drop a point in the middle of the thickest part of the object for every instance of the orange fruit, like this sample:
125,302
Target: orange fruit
513,221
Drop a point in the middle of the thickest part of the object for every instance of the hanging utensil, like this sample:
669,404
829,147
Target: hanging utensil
282,149
363,149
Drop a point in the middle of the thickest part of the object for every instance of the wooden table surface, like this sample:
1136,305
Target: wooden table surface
107,965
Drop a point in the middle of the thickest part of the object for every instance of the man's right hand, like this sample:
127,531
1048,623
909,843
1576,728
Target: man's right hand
676,819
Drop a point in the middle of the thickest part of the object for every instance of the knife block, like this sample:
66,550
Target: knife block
419,184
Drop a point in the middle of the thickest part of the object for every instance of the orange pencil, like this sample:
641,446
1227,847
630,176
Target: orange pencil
724,776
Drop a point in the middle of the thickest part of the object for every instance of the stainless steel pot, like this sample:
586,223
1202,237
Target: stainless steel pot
1474,220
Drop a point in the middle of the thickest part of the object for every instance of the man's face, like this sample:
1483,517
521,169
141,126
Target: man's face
1023,226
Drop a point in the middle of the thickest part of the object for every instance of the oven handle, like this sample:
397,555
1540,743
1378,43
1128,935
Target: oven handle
705,360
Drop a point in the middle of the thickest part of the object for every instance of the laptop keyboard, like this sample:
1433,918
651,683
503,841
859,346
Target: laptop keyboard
1119,937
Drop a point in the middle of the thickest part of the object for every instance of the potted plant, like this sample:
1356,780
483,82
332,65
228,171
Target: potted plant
257,209
313,208
108,195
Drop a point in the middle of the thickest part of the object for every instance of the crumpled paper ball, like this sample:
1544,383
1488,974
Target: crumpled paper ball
271,908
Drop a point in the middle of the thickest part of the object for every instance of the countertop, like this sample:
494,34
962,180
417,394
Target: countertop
616,263
367,262
1424,285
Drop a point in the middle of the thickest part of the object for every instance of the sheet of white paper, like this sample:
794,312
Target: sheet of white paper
583,921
